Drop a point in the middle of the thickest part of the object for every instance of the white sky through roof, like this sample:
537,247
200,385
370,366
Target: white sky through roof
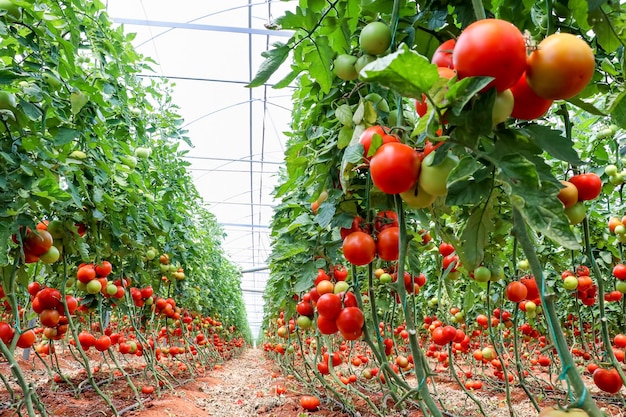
211,49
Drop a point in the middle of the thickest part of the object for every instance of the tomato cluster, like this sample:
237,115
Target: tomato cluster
361,248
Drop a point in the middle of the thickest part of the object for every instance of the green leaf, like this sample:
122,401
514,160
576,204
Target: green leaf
553,142
617,110
65,135
588,107
461,92
406,72
345,136
475,236
78,101
607,30
320,59
325,214
579,9
274,58
343,113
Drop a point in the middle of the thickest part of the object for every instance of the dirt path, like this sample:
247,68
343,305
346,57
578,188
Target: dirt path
242,386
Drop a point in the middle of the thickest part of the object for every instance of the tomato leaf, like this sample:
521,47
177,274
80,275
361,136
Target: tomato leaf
541,210
325,214
345,136
343,113
461,92
274,58
319,59
617,109
553,142
406,72
475,236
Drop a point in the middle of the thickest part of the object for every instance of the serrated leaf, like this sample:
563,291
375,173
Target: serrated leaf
406,72
461,92
588,107
553,142
319,60
274,58
605,30
65,135
325,214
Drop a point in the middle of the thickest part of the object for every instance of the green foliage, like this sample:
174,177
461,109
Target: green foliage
68,154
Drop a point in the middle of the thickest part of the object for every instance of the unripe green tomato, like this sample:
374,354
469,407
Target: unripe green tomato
385,278
454,275
482,274
531,307
341,286
570,283
523,265
434,178
620,229
416,197
362,61
111,289
576,213
81,286
621,286
610,170
93,287
344,67
304,322
621,238
502,107
617,179
51,256
375,38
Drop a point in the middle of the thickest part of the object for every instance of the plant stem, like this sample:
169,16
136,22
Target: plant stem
585,400
479,10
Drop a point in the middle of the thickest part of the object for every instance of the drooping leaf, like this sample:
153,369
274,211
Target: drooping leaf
475,236
553,142
274,58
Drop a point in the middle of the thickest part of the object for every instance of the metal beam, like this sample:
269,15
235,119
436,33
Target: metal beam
195,26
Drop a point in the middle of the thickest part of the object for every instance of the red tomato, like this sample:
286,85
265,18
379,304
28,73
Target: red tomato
340,272
37,242
387,243
350,322
560,67
6,333
368,134
305,308
446,249
309,403
443,54
33,288
326,325
395,168
49,318
26,339
103,343
104,269
527,105
329,305
48,298
358,225
384,219
86,340
491,47
589,185
516,291
607,380
531,286
147,389
359,248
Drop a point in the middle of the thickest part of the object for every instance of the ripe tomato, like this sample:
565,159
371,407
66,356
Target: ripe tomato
387,243
147,389
309,402
329,305
326,325
384,219
305,308
589,185
49,318
516,291
340,272
359,248
350,322
86,273
103,343
104,269
443,54
6,333
26,339
368,134
607,380
48,298
620,340
358,225
491,47
86,340
33,288
395,167
560,67
446,249
37,242
531,285
527,105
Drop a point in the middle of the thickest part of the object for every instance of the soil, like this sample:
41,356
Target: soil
244,386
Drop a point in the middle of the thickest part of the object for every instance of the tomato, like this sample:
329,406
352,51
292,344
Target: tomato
446,249
368,134
531,285
340,272
443,54
37,242
324,287
72,304
395,168
570,283
416,197
26,339
620,340
385,219
326,325
358,225
560,67
350,322
388,243
589,185
362,61
527,105
86,273
576,213
6,333
482,274
491,47
49,298
434,178
329,305
309,402
305,308
516,291
343,67
568,194
607,380
104,269
502,107
50,256
321,276
86,340
375,38
33,288
103,343
49,318
359,248
147,389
